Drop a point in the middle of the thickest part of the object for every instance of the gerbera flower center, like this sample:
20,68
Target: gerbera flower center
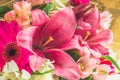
11,51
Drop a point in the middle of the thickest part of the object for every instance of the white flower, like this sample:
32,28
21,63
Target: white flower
114,77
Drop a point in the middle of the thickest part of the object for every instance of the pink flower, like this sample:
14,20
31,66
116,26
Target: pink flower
105,19
24,16
45,42
78,2
95,44
87,65
9,49
9,16
88,17
21,14
103,69
102,72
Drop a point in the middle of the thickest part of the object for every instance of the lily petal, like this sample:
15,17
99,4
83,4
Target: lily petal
77,43
93,19
64,64
36,62
105,37
26,36
61,27
39,18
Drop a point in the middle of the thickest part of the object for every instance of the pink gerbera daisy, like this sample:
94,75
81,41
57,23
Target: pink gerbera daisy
9,49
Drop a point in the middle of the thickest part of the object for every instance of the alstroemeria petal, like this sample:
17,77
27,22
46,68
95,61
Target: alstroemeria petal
39,18
105,37
36,61
61,27
64,64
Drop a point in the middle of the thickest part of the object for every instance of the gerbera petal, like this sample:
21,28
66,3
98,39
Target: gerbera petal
61,27
23,60
64,64
39,18
14,29
4,32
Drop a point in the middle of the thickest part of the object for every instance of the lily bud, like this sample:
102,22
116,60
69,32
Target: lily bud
88,17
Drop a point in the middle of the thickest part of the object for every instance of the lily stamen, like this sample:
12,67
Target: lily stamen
50,39
87,35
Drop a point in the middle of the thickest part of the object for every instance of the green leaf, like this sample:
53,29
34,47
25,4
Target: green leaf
49,7
88,78
112,60
60,78
74,54
38,73
4,9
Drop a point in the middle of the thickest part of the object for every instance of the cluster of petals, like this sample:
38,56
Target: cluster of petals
36,38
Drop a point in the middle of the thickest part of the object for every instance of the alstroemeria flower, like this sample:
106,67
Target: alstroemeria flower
95,44
20,13
46,42
86,65
24,16
9,49
88,17
78,2
102,72
105,19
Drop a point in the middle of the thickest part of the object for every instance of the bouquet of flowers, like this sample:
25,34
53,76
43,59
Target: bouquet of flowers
55,40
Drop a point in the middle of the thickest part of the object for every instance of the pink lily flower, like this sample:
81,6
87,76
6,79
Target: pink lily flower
78,2
95,44
45,43
39,18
